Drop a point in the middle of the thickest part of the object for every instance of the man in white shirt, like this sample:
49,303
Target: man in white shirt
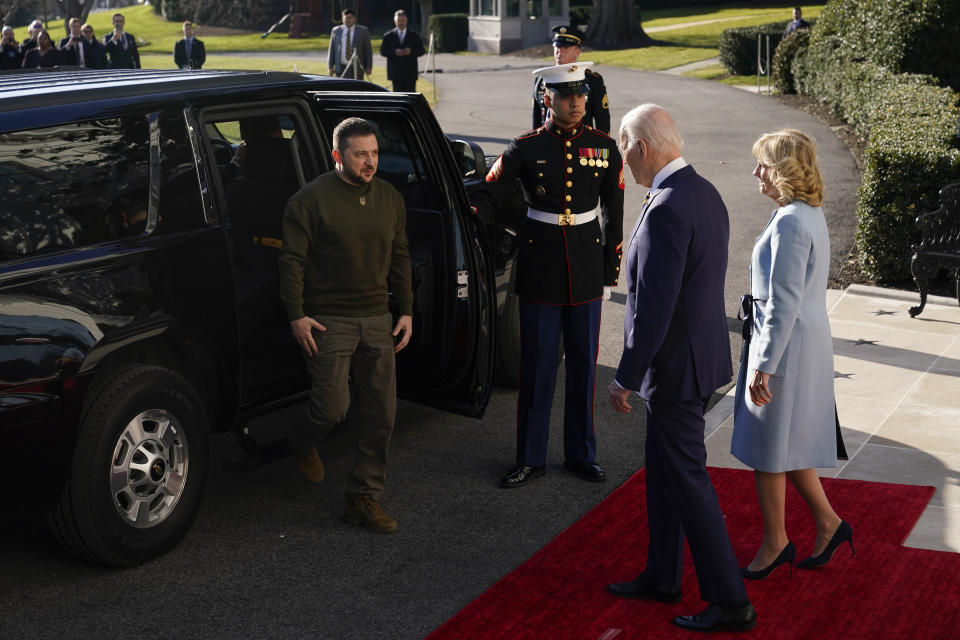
346,41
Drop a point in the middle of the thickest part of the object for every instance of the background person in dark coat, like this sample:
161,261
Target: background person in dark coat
44,55
10,57
30,42
402,47
121,46
73,31
676,353
189,52
797,23
91,53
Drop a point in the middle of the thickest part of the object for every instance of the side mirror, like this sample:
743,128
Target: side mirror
470,159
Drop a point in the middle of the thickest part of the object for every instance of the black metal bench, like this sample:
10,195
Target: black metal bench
939,246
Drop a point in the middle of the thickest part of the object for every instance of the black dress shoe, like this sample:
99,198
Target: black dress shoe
713,618
520,475
589,471
642,591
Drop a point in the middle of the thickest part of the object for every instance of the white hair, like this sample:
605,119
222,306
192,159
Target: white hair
653,124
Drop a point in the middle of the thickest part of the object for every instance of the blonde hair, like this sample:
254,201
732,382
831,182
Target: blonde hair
791,157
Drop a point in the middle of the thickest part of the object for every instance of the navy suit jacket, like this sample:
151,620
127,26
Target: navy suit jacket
676,343
402,68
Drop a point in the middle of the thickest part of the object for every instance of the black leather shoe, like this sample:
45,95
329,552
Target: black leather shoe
589,471
642,591
713,618
520,475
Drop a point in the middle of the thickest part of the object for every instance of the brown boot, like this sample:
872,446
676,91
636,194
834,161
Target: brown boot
366,512
309,464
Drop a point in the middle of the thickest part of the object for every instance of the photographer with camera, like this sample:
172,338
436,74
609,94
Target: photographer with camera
121,46
10,57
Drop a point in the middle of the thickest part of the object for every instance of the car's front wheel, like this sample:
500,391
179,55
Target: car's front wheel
138,467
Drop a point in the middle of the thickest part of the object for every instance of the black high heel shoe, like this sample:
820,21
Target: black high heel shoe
843,534
789,554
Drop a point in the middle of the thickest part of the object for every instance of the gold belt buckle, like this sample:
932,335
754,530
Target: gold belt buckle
567,219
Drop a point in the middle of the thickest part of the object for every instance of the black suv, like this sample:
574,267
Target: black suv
139,304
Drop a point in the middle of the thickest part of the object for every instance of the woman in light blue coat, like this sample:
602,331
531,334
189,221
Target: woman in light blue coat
788,427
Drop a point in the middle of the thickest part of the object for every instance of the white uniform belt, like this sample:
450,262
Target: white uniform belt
562,219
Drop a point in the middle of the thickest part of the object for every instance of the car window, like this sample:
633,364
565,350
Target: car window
73,185
260,163
181,206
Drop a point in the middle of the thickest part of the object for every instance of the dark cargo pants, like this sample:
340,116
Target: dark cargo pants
366,345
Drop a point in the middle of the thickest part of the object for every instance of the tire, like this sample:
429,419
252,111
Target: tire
138,469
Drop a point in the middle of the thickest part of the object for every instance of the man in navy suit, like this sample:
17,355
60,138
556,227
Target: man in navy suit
676,353
401,47
121,46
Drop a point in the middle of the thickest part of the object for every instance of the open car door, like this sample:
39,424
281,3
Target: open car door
448,363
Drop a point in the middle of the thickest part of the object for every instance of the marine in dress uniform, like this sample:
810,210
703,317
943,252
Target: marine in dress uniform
566,49
563,266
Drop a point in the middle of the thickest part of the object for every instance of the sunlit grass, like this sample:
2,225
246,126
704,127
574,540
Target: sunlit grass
665,17
651,58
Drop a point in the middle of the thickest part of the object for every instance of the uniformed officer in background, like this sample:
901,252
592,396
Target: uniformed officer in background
563,268
566,50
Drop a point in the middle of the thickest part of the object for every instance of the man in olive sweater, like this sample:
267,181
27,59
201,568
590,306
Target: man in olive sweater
344,247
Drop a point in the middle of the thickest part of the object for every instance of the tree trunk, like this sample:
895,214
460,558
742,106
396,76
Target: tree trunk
73,9
614,25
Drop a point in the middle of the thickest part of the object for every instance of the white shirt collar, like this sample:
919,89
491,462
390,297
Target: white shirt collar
671,168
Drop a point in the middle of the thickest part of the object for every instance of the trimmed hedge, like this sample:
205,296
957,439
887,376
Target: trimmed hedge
783,58
911,126
738,47
451,31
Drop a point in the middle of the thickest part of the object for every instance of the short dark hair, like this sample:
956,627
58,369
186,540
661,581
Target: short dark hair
800,9
351,128
348,12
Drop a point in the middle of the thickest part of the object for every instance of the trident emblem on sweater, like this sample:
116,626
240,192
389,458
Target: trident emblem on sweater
363,201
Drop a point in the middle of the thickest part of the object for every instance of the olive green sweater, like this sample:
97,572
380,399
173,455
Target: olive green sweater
344,246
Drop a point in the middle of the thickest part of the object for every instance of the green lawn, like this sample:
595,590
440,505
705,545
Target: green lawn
691,44
674,47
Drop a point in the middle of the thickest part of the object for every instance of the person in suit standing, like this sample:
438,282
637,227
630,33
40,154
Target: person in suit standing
10,57
346,40
189,52
121,46
787,429
566,50
401,47
564,269
676,353
73,34
92,54
797,23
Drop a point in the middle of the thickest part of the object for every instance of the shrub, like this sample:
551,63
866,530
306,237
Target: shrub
175,10
911,127
451,31
738,47
784,56
905,37
879,64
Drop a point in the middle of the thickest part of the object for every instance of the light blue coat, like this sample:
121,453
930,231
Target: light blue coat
792,342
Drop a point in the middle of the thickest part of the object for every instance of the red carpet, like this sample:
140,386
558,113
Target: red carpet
886,591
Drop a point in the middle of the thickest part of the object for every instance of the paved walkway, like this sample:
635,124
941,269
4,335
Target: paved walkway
897,383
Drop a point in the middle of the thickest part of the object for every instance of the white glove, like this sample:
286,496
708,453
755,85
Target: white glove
606,292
